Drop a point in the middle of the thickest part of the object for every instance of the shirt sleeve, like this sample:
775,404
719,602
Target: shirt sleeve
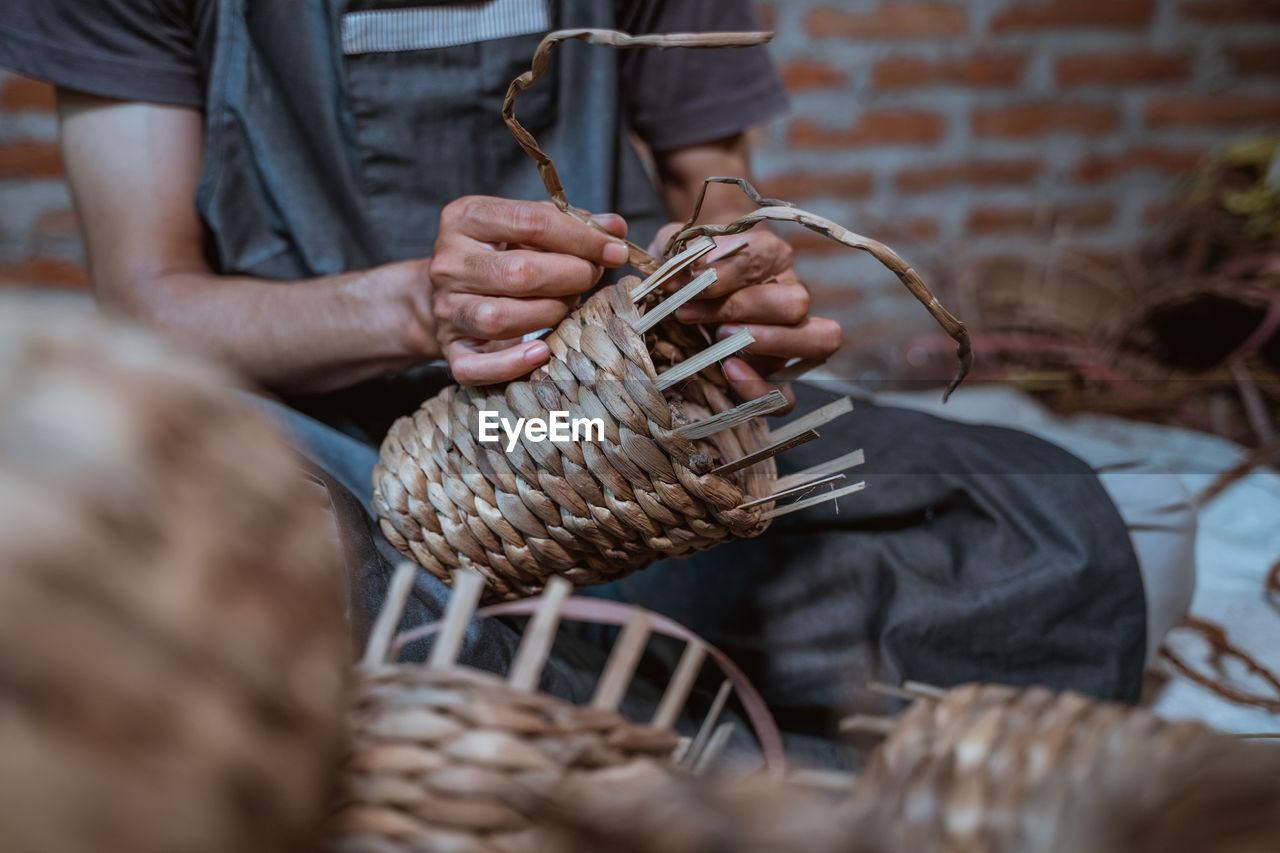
681,97
136,50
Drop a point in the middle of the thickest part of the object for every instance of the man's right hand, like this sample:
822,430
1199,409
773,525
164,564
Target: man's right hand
503,269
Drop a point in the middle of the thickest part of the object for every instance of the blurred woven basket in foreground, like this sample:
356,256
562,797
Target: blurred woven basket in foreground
172,646
995,768
444,755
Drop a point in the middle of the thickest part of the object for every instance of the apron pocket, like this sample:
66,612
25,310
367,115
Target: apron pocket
427,111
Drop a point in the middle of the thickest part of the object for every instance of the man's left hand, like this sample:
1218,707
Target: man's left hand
757,289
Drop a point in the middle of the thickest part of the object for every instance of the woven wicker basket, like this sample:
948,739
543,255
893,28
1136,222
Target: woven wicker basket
685,814
995,768
589,511
446,757
439,753
172,646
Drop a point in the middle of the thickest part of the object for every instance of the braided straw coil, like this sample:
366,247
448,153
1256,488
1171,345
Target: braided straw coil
590,511
649,813
995,768
172,646
447,757
438,753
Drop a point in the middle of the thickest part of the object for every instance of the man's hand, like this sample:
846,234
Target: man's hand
503,269
756,288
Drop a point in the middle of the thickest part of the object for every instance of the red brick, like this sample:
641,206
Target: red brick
802,74
1255,58
990,71
797,185
21,94
978,173
1231,11
47,271
875,127
1094,69
989,220
1022,15
1213,111
1161,213
30,160
1022,121
1147,158
892,19
57,226
768,16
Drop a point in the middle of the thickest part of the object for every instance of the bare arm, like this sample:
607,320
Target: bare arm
501,268
133,170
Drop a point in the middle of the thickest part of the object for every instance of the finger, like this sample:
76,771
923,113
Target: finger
612,223
816,337
493,318
763,255
530,223
748,384
524,273
782,303
471,367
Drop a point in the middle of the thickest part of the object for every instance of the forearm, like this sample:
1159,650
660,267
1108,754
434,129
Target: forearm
682,171
307,336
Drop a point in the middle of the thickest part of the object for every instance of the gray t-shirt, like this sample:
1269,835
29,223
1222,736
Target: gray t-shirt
162,51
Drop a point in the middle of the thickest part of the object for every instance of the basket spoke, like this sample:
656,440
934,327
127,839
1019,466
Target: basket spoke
467,586
764,453
699,362
526,669
736,416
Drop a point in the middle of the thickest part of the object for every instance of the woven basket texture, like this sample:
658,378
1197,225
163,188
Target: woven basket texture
637,812
590,511
441,757
172,645
995,768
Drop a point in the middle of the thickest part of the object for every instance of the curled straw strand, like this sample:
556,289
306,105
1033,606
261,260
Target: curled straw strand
1221,647
639,258
770,209
782,211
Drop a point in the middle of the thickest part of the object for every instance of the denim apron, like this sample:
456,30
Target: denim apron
974,554
333,140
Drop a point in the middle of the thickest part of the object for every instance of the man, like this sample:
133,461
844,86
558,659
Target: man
323,194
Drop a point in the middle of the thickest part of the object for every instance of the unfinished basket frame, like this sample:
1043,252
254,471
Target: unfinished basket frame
681,467
441,751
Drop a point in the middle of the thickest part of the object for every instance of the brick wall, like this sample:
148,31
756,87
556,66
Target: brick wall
38,239
977,136
962,132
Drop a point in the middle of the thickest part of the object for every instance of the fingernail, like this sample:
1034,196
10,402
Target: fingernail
690,313
605,220
615,254
726,246
736,369
536,353
728,331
